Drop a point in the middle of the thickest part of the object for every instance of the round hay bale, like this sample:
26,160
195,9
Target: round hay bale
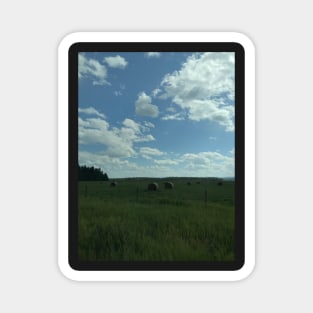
153,187
168,185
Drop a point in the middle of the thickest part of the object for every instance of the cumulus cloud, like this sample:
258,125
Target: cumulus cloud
91,111
146,138
132,125
204,87
151,151
203,164
210,163
155,92
171,109
120,168
152,54
113,166
166,162
177,116
116,62
148,124
92,68
144,107
139,129
115,142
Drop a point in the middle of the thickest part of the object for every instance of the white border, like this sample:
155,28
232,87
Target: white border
247,269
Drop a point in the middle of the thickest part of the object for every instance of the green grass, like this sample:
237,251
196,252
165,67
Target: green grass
128,222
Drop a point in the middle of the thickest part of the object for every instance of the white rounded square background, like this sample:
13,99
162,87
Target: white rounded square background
142,275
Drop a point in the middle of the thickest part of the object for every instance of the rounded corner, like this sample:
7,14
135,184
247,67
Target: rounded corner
68,41
68,271
244,41
245,271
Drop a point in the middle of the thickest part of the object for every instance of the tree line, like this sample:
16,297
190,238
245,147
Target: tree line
91,173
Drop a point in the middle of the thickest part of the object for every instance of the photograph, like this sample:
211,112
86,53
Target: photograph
156,156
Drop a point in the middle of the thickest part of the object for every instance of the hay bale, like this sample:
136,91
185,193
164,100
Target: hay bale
153,187
168,185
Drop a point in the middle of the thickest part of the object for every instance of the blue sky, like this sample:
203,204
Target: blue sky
157,114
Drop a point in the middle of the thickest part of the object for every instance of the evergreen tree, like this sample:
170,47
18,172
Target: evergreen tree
91,173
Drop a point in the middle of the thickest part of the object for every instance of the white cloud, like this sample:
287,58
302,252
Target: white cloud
132,124
114,167
116,62
155,92
146,156
152,54
91,111
151,151
204,86
177,116
211,110
116,142
117,93
138,129
208,164
119,168
88,67
166,162
144,106
97,131
203,164
148,124
146,138
171,109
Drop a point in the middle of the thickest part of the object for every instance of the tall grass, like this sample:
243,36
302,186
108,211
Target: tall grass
128,222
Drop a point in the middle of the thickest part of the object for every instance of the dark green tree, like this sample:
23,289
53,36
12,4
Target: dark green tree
86,173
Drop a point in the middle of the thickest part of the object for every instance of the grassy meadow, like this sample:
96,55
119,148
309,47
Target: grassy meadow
129,223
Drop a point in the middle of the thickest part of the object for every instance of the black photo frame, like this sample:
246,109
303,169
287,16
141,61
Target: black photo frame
140,47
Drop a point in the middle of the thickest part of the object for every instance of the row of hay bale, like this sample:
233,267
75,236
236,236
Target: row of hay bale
219,183
167,185
155,186
152,186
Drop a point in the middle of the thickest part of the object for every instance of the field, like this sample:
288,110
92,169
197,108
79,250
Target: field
129,223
